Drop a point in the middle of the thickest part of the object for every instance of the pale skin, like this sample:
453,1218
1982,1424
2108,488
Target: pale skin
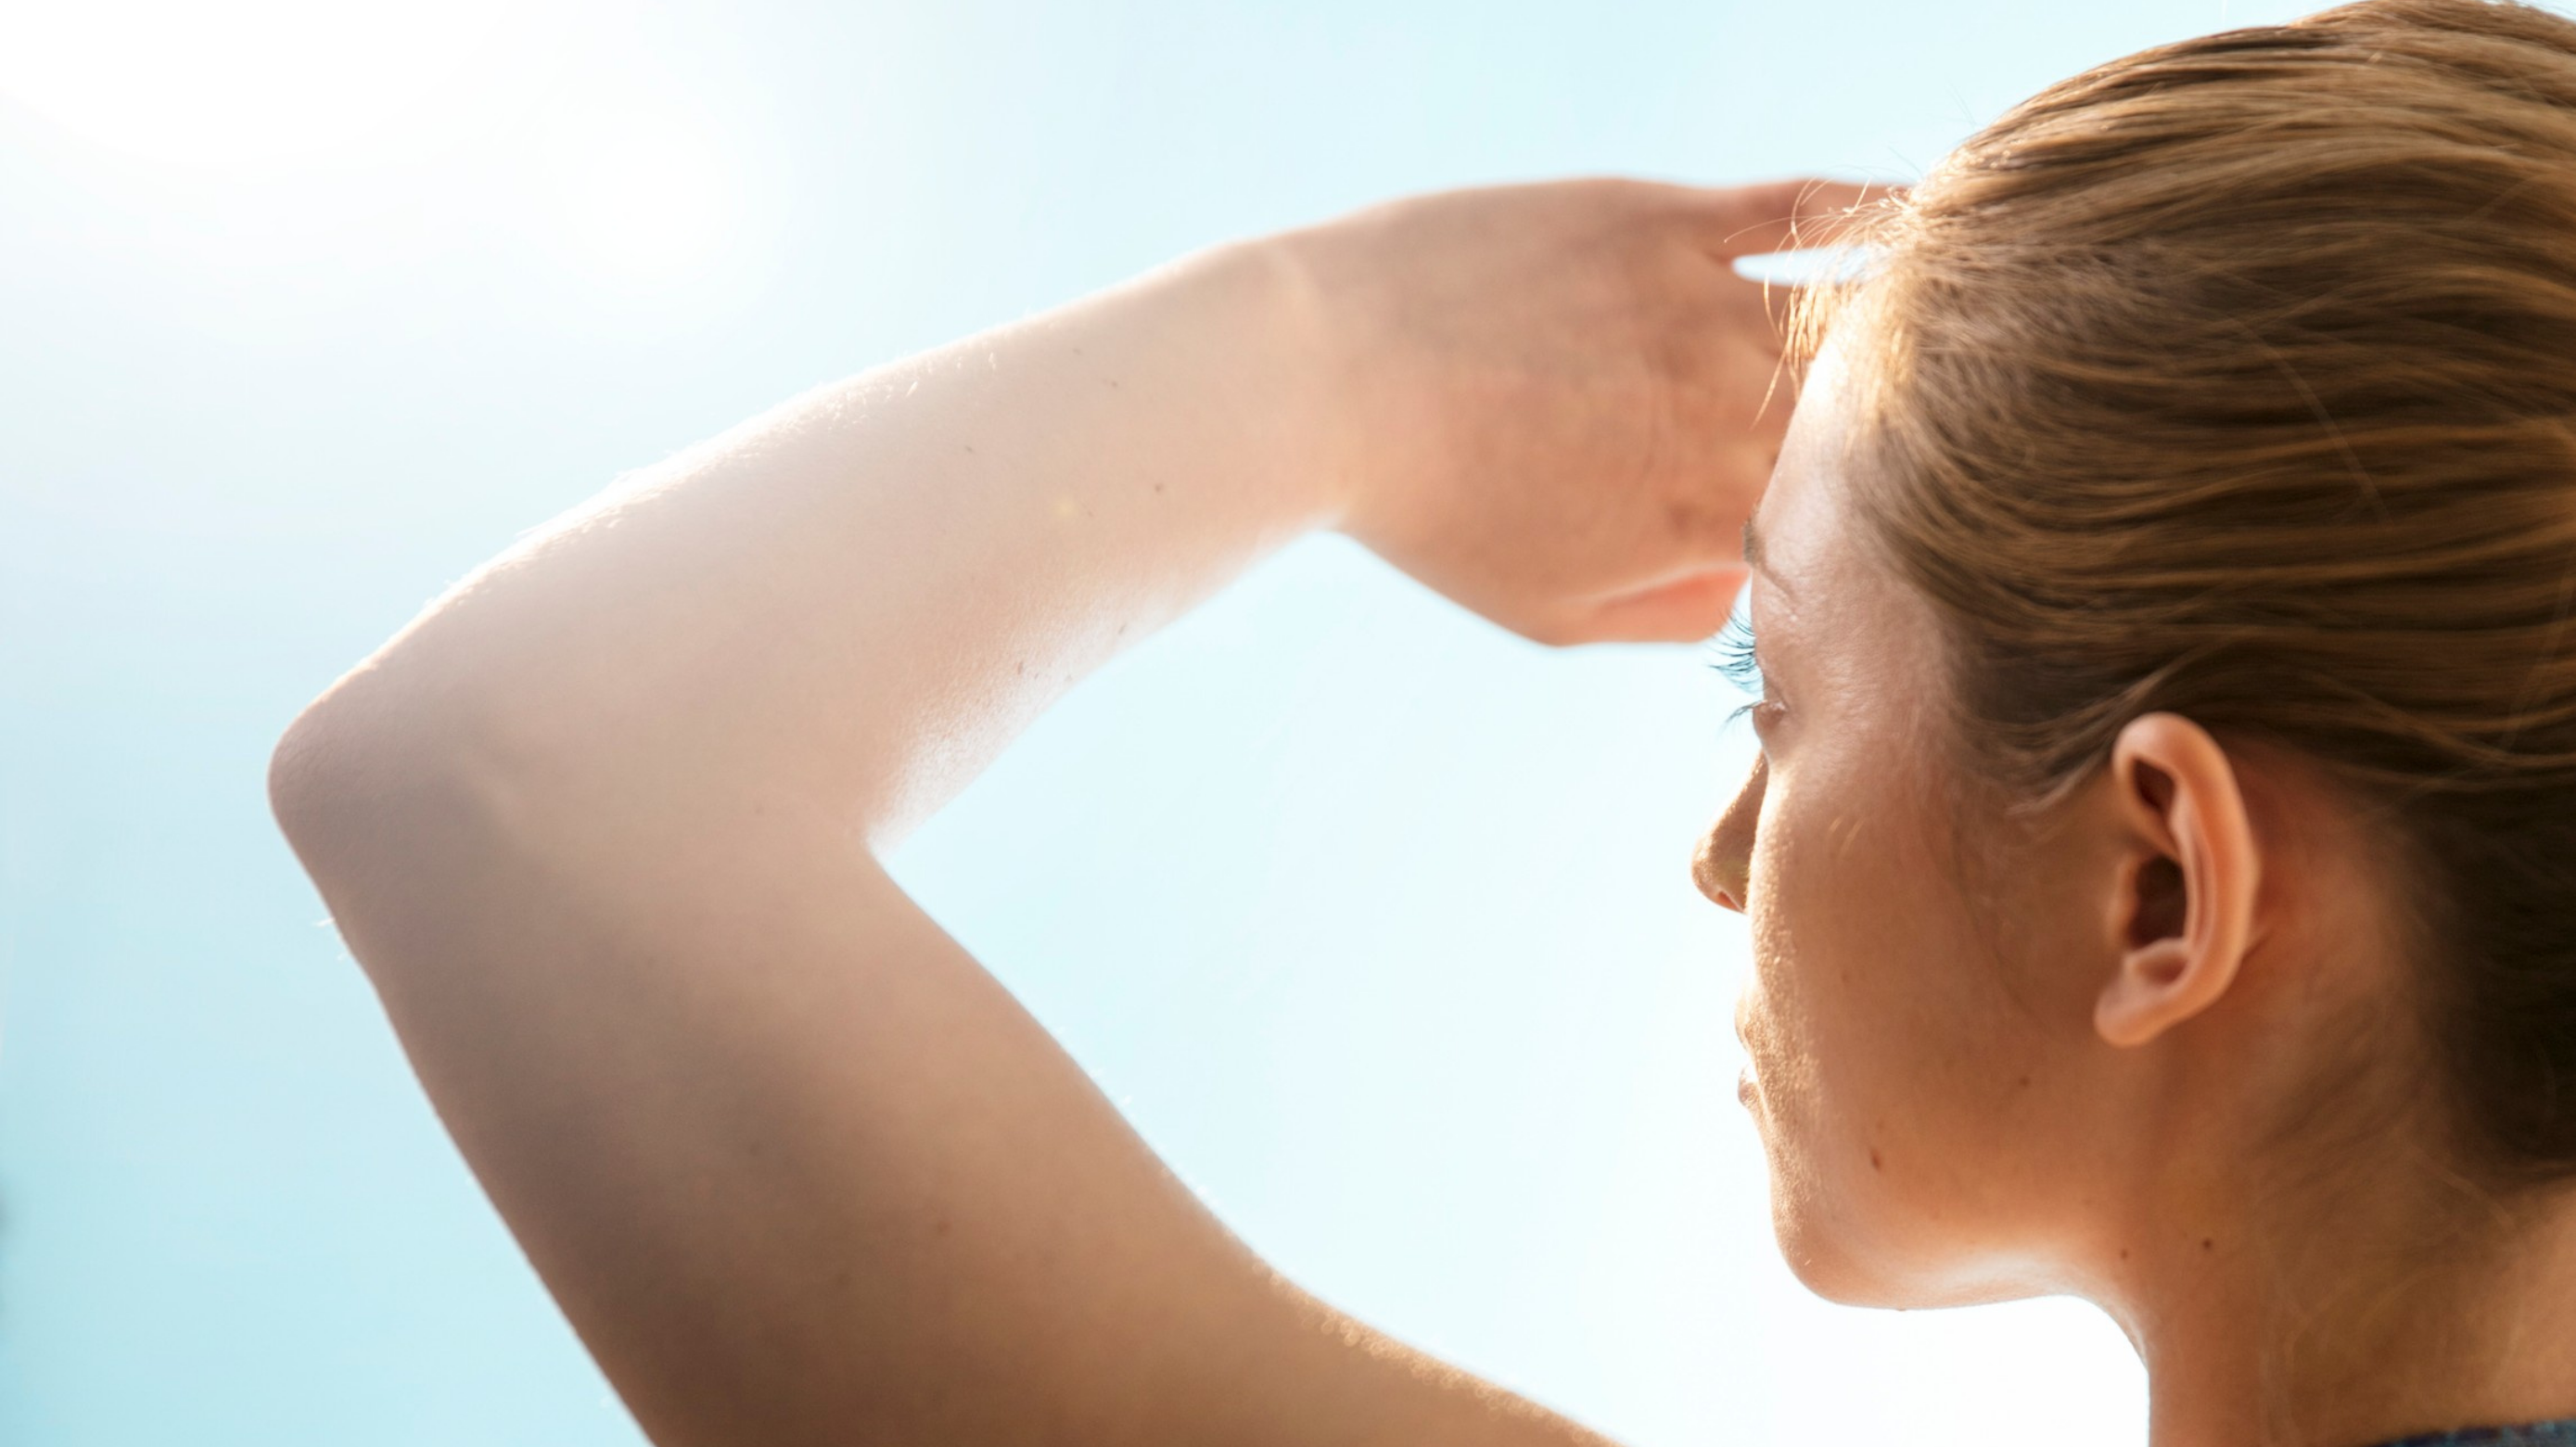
2080,1055
604,824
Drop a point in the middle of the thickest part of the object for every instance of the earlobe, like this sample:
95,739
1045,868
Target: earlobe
2183,917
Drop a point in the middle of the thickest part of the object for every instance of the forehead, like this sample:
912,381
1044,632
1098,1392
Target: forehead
1800,535
1858,648
1829,600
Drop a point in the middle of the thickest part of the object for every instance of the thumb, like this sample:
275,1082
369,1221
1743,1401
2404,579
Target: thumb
1684,610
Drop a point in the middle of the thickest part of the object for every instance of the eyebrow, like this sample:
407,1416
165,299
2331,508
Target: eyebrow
1753,561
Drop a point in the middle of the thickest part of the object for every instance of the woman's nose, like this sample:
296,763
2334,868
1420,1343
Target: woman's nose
1724,864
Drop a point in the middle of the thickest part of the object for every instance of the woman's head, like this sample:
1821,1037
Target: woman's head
2171,586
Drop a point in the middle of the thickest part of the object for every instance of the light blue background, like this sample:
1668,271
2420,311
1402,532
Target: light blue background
1373,918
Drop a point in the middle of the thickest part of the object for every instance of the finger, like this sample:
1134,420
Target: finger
1756,311
1683,611
1780,376
1784,215
1741,390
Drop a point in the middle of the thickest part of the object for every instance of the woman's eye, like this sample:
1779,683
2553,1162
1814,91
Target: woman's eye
1732,655
1731,652
1763,713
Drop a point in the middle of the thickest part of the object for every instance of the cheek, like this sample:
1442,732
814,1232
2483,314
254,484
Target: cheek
1875,1024
1849,948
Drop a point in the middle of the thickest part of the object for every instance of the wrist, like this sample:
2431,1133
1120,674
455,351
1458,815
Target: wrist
1291,330
1361,297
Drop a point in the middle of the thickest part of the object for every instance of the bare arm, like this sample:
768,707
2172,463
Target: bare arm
603,823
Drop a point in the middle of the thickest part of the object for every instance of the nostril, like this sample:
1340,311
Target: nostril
1710,873
1705,876
1719,872
1723,866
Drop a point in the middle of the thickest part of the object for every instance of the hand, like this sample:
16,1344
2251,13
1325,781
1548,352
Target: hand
1557,404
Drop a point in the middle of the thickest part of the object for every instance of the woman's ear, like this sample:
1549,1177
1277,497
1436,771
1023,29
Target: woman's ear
2182,915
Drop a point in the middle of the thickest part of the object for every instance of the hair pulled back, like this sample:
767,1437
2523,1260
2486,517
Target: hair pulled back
2237,378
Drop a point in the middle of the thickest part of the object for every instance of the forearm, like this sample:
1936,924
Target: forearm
598,826
602,824
858,598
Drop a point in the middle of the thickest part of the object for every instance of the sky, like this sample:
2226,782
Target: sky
1374,919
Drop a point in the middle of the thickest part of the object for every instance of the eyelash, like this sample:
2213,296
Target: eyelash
1736,662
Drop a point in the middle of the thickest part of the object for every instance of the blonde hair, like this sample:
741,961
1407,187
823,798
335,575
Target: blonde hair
2238,378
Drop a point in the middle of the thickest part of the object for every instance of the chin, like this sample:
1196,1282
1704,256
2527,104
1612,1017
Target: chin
1820,1256
1849,1254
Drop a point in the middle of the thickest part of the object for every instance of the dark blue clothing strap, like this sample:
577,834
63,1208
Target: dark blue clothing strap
2561,1433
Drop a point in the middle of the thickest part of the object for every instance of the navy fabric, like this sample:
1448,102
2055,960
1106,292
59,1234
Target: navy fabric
2561,1433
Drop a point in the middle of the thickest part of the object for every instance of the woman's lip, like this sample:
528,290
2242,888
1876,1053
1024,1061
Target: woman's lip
1745,1085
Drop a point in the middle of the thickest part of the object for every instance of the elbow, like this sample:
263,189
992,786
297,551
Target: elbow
317,794
332,786
377,801
311,779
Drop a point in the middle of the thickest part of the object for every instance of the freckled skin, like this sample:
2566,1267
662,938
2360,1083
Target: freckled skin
604,826
1949,1070
1887,1038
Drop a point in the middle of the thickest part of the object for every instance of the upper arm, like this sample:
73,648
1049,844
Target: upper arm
796,1167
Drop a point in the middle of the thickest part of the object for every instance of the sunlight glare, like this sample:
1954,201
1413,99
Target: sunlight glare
644,193
258,84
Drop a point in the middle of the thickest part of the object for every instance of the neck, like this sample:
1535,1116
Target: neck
2394,1311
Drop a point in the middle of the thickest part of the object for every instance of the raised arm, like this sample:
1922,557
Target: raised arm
603,823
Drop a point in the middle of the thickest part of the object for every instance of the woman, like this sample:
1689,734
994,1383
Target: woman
2161,865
